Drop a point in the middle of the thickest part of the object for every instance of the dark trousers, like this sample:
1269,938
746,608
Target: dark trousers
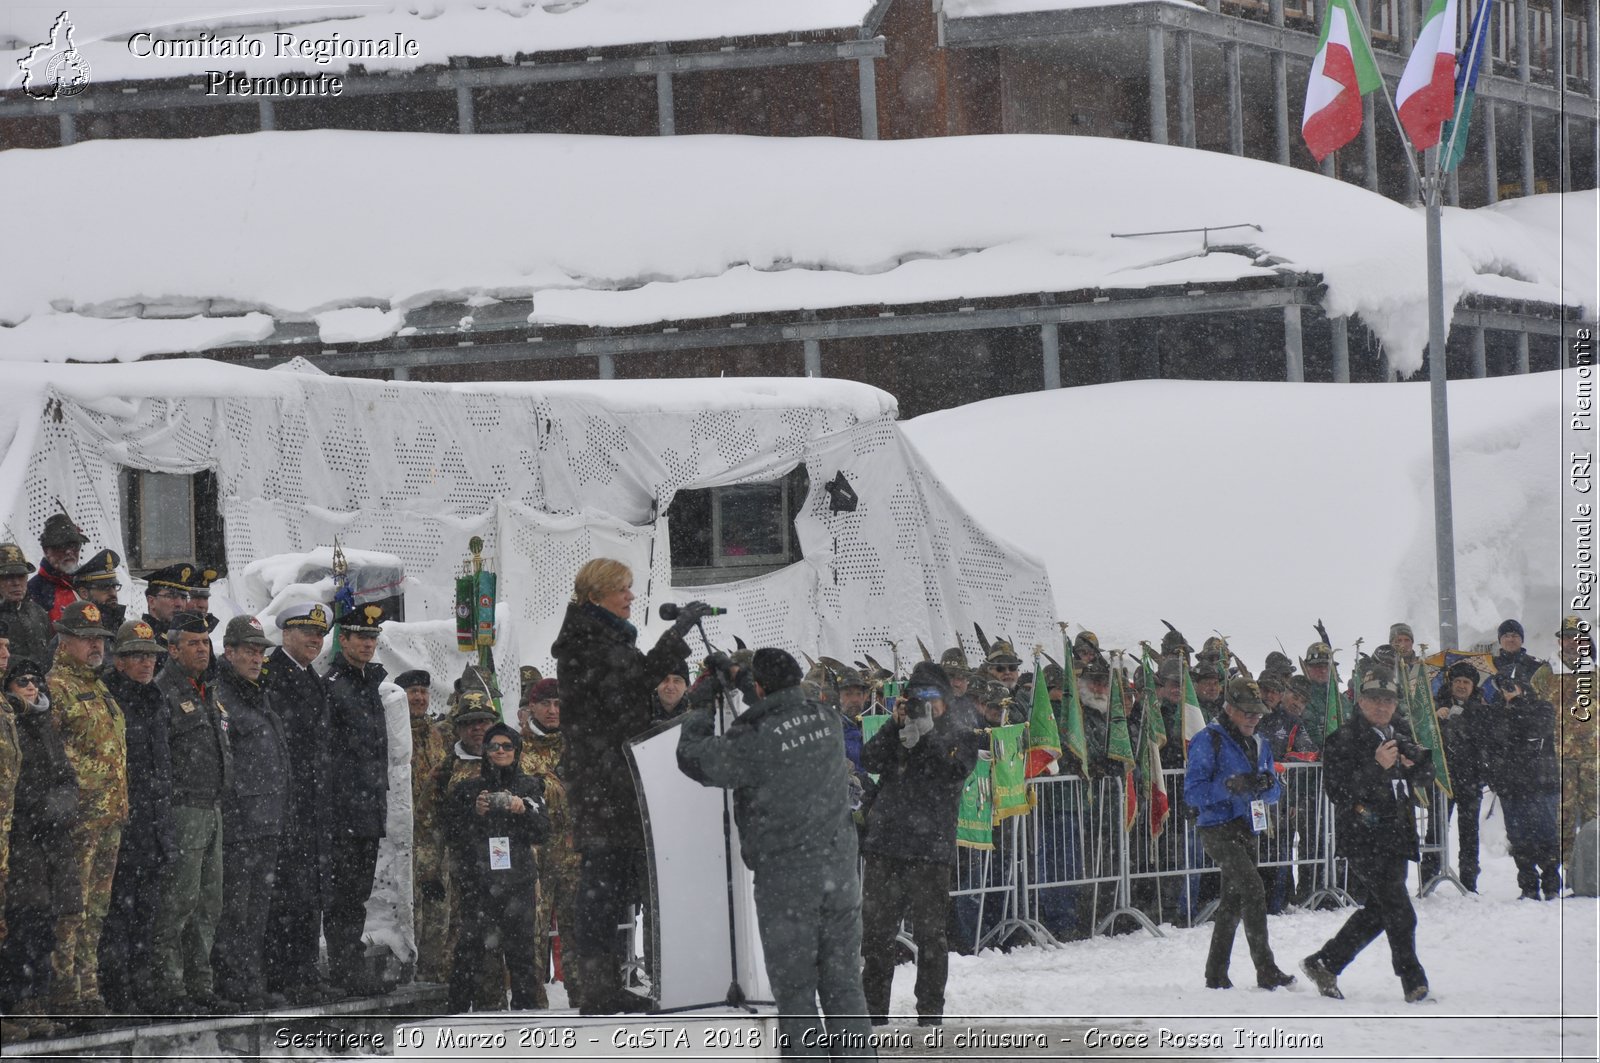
25,956
1534,840
1465,808
608,886
249,867
915,890
1232,847
1386,910
289,955
810,920
354,861
509,918
128,932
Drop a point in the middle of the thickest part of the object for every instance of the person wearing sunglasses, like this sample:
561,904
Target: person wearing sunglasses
494,822
1003,665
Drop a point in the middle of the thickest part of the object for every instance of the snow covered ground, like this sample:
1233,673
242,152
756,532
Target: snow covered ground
1253,509
1510,980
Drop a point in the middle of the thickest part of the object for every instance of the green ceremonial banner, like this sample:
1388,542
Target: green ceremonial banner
1333,704
1071,723
975,817
1043,734
1119,745
1424,721
1008,771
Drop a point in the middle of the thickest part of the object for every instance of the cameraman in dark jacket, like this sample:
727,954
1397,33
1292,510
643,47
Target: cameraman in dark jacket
1524,771
922,756
494,821
1466,724
784,760
1371,770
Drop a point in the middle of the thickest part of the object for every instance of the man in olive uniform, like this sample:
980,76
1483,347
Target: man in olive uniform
94,732
202,773
1577,732
51,587
558,860
29,625
783,758
429,870
358,794
301,887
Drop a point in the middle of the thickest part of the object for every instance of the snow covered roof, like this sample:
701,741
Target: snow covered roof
982,8
440,28
172,251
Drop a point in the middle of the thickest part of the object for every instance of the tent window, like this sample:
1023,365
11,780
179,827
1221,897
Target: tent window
720,534
170,517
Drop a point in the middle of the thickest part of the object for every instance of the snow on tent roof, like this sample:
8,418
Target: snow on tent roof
440,28
635,230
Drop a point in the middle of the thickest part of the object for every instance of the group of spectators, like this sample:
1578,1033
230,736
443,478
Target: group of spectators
186,828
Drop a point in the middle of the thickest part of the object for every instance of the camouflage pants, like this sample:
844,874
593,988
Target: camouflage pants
75,963
558,897
1580,799
432,923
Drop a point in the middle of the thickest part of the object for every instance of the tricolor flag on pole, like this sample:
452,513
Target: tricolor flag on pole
1155,736
1427,94
1342,72
1194,721
1453,135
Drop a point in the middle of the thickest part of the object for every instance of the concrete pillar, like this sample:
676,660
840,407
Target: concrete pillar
813,355
1294,357
666,119
1050,354
1230,59
605,366
867,79
1558,25
1529,181
1522,352
1524,45
466,121
1186,89
1491,160
1280,105
401,372
1341,349
1480,355
69,128
1158,85
268,118
1369,143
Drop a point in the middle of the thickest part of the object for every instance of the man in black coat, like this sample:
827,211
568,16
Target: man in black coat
358,794
202,772
922,756
252,814
302,886
1525,772
784,760
148,838
1371,770
606,684
1467,726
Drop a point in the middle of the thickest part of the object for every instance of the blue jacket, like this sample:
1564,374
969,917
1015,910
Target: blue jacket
1214,757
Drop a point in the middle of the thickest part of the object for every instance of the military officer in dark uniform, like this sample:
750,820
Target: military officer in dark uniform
202,772
29,625
166,595
358,793
303,884
96,581
252,814
784,760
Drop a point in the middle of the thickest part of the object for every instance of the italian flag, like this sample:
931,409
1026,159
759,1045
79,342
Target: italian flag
1194,721
1427,96
1342,72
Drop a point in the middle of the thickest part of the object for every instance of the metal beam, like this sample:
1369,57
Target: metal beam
268,117
1050,354
666,117
1369,142
1480,355
113,97
69,128
1280,106
1522,353
535,348
1341,349
605,367
1185,44
867,80
1529,177
813,357
1158,84
466,121
1491,160
1294,354
1230,62
1504,321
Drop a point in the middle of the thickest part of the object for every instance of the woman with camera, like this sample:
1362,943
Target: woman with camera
494,822
606,683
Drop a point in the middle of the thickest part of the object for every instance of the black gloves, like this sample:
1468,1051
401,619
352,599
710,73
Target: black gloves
688,616
1249,782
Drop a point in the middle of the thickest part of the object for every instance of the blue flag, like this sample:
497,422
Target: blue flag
1453,134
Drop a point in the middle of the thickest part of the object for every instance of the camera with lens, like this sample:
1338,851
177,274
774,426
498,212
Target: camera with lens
917,699
500,801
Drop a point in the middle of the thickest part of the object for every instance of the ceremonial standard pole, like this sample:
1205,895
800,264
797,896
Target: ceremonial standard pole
1444,537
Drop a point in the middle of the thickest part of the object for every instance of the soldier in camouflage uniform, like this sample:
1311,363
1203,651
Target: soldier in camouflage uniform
558,860
10,768
95,735
1576,730
429,870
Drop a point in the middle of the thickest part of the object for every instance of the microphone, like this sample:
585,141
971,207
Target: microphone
669,611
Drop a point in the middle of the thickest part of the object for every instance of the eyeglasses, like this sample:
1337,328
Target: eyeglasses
1006,668
499,747
24,681
180,596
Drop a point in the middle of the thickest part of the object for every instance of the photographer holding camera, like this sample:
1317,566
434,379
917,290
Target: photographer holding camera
1371,771
494,821
784,760
922,756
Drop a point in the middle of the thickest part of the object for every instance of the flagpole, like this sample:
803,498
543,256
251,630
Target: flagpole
1405,141
1480,30
1444,541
